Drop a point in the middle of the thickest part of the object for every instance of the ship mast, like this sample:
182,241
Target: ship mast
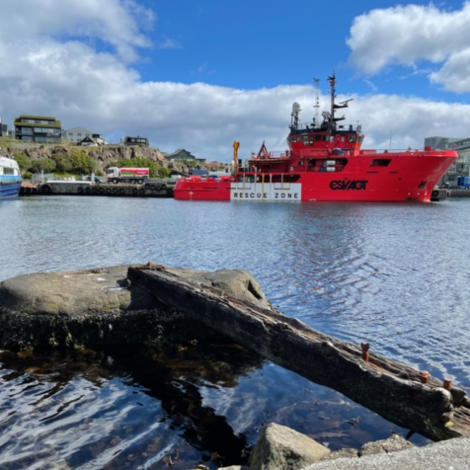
317,98
332,81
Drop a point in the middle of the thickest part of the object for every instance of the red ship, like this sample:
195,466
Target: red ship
324,162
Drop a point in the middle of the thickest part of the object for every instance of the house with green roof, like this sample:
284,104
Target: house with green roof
44,129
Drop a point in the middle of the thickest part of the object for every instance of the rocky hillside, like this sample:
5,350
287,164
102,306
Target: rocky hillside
102,155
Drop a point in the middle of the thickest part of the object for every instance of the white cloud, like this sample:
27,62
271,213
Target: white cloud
408,35
47,72
117,23
169,43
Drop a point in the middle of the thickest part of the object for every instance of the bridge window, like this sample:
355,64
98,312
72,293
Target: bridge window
352,138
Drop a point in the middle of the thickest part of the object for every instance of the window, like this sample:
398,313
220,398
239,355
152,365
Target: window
318,137
380,162
352,138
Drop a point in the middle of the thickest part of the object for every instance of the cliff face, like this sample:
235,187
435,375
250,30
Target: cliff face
102,155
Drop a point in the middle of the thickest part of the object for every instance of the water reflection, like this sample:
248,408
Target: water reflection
124,408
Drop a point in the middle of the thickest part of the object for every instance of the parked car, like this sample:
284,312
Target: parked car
98,179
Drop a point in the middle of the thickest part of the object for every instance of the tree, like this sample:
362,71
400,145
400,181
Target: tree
44,164
63,161
23,161
81,162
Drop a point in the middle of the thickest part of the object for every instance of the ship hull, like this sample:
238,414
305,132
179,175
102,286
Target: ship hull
410,176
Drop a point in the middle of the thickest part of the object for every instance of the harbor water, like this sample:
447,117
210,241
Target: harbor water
393,275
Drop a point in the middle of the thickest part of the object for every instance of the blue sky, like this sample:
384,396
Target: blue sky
198,74
255,44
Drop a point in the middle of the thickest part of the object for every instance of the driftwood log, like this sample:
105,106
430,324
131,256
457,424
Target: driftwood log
393,390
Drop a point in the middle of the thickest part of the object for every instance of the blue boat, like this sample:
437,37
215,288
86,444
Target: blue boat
10,178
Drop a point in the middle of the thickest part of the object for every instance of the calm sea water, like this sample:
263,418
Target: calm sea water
394,275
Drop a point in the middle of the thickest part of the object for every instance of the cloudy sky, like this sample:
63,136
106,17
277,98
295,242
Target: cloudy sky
199,74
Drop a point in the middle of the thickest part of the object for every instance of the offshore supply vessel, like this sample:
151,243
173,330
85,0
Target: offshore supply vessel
324,162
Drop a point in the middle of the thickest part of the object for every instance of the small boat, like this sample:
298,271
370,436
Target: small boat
10,177
324,162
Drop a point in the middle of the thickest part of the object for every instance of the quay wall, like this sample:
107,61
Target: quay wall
86,188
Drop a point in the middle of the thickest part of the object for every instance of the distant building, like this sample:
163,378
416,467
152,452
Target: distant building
94,141
3,129
182,155
76,134
29,128
461,167
142,141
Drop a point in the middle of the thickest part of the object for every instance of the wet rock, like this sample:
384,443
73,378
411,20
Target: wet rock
282,448
100,307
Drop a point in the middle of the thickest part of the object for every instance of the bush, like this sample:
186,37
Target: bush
63,161
44,164
23,161
27,175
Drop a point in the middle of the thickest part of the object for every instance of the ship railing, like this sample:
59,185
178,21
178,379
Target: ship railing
311,126
271,155
392,151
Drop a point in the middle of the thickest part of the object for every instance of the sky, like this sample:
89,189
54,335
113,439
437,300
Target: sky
199,74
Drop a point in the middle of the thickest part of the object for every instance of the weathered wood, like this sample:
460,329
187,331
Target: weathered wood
391,389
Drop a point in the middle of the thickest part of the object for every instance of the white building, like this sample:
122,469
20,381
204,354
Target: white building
76,134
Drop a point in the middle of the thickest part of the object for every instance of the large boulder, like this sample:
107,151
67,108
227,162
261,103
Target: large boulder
282,448
100,306
74,293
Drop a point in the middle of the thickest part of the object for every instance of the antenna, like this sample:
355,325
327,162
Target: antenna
317,97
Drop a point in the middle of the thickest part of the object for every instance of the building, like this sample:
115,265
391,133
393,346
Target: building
30,128
182,155
94,141
76,134
3,129
141,141
461,167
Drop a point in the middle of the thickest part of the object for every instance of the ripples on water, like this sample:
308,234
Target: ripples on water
395,275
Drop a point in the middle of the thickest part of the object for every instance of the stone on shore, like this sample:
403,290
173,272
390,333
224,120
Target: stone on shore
100,307
282,448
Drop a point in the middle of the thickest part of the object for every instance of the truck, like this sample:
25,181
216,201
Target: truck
127,175
463,182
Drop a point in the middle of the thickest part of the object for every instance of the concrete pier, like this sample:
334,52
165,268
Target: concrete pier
86,188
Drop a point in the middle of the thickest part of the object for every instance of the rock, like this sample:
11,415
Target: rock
345,453
281,448
236,282
395,443
234,467
73,293
100,306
